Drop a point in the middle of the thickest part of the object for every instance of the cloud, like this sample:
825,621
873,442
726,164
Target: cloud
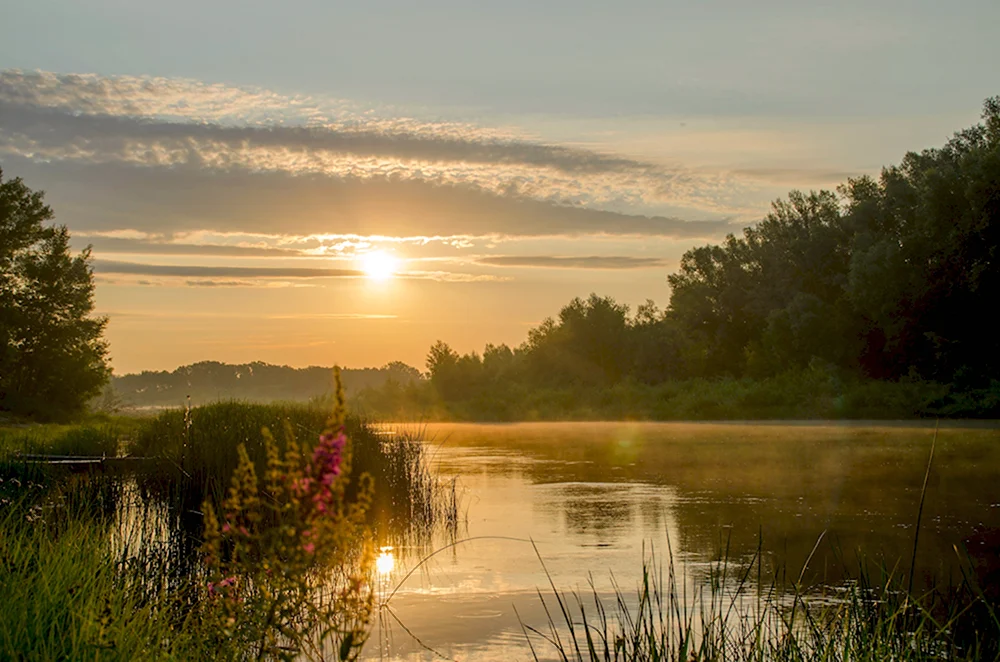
220,283
541,172
562,262
454,277
107,197
119,136
188,100
795,176
156,125
199,315
332,316
144,247
197,271
239,276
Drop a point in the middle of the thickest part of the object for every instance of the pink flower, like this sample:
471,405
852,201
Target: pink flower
226,527
328,453
215,589
309,548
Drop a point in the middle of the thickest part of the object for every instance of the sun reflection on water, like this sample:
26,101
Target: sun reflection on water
385,562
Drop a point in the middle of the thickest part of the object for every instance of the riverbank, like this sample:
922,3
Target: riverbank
810,395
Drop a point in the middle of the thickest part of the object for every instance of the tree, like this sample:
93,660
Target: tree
53,357
586,345
925,266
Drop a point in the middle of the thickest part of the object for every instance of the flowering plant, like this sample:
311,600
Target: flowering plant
287,560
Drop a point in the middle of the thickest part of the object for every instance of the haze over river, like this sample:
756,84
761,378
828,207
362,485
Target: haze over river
596,497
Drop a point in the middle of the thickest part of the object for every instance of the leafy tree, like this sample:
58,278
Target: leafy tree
444,370
588,344
657,345
53,357
924,269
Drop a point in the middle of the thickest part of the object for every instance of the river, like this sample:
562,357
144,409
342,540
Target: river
584,502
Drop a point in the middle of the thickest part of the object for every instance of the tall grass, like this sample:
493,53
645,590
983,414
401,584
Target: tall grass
200,444
70,594
745,613
93,438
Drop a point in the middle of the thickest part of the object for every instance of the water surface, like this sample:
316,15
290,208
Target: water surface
591,500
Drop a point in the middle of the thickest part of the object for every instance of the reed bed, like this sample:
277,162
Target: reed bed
200,445
745,612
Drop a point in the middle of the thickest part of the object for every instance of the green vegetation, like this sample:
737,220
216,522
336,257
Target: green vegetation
117,561
819,392
744,612
69,596
97,436
871,302
201,445
53,358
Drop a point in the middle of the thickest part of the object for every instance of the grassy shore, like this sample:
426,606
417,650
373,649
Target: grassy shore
104,563
801,394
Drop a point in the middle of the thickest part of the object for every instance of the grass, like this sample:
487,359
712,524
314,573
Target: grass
745,613
200,444
100,436
69,596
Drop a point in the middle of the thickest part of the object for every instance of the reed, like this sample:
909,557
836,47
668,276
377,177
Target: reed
746,612
200,444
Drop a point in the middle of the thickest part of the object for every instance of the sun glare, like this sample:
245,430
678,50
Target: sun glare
385,562
378,265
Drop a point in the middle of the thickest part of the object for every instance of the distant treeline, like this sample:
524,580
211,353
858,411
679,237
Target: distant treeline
210,381
879,299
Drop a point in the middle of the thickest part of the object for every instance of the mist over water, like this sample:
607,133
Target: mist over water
598,498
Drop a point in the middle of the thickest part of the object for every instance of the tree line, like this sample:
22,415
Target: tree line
889,278
210,381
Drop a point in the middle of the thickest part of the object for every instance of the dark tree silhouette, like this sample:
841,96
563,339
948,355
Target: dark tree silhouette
53,357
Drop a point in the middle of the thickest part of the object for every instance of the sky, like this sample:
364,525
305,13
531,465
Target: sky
247,173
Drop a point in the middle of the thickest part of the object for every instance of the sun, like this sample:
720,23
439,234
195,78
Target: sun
378,265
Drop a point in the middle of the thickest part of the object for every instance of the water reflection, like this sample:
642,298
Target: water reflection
385,562
595,497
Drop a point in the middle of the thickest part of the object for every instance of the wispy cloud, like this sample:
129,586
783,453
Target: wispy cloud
189,100
332,316
566,262
154,128
454,277
242,276
206,315
144,247
208,282
189,199
198,271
